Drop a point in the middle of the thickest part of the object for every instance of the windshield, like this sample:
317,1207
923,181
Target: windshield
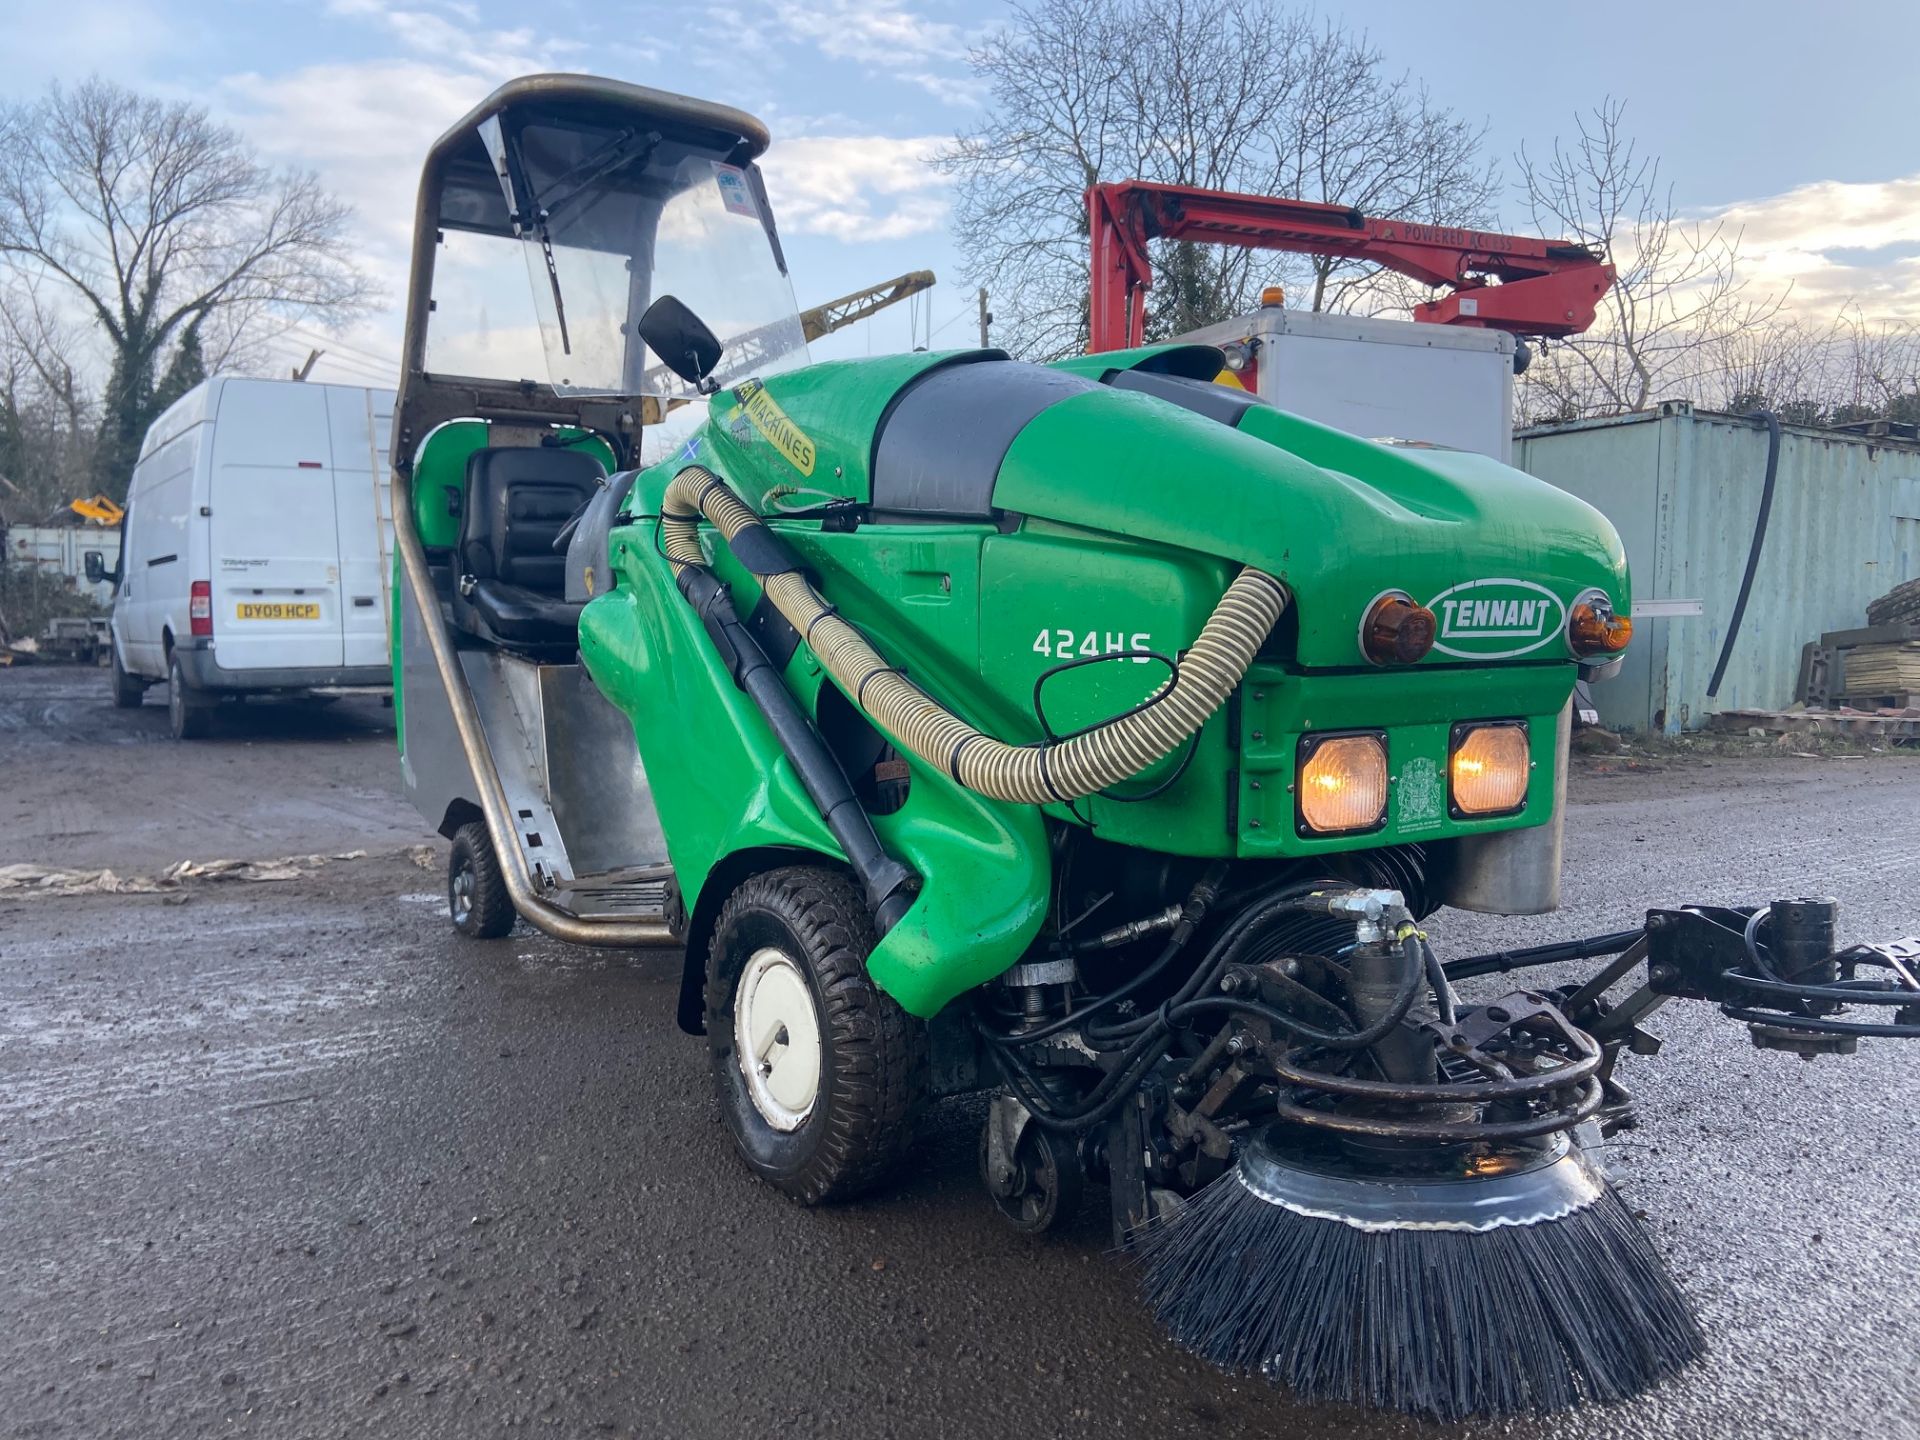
608,221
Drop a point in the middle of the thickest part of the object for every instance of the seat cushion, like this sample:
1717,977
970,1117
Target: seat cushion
515,615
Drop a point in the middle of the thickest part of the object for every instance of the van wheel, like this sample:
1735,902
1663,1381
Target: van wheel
128,690
477,898
819,1074
188,715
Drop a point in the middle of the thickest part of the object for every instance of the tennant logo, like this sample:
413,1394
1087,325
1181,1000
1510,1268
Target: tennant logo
1495,619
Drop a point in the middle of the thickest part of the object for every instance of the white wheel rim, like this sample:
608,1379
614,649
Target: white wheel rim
776,1038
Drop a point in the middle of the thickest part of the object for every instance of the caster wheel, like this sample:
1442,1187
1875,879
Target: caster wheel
1034,1176
477,900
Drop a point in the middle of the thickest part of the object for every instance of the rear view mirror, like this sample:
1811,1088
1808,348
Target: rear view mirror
682,341
95,565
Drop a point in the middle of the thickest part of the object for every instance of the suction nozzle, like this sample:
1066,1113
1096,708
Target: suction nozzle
1470,1281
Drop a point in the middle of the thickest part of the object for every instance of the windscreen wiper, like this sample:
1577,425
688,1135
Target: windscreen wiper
535,217
623,149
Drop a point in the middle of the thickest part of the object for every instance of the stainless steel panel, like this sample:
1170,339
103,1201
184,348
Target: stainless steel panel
596,784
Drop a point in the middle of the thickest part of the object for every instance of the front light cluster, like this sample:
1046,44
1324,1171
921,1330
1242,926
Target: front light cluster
1341,784
1487,769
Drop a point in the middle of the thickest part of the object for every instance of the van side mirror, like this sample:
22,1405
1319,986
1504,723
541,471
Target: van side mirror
682,341
95,565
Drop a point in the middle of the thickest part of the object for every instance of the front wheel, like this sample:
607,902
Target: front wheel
477,899
819,1074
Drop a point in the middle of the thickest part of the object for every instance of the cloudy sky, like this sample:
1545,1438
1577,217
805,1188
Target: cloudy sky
1800,133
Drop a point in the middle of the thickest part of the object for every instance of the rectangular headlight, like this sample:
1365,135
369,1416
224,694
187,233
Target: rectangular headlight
1488,768
1342,783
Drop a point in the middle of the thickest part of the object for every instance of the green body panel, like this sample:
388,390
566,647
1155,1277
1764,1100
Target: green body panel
836,404
1417,712
721,784
1125,517
1339,528
440,471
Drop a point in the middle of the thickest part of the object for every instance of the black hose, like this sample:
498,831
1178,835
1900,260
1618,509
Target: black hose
1199,900
1270,900
1443,996
890,886
1772,422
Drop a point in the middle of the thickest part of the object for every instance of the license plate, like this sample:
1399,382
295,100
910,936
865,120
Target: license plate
276,610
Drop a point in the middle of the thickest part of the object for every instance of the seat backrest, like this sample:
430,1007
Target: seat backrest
517,500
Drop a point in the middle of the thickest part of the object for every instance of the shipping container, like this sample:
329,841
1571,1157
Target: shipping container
62,549
1683,488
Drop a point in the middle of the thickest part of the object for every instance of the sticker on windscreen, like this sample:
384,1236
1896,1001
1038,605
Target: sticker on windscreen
1495,619
735,193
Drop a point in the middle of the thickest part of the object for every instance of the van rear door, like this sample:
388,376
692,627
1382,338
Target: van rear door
361,422
276,552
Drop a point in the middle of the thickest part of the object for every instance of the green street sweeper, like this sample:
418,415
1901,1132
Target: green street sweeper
1091,735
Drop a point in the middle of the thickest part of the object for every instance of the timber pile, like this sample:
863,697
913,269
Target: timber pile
1900,726
1884,669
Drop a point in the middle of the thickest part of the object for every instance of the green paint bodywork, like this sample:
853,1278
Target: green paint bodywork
1125,518
721,784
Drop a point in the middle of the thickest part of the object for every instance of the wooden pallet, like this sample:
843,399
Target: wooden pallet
1874,703
1893,725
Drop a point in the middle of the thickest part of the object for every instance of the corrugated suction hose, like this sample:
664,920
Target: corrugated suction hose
1027,774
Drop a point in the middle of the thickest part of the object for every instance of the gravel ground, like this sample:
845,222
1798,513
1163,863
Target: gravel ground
290,1159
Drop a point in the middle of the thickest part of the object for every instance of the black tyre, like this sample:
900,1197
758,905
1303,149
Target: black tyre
820,1076
188,715
477,898
128,690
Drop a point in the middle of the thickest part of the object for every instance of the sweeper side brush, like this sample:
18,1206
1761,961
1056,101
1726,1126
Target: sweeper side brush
1439,1241
1486,1291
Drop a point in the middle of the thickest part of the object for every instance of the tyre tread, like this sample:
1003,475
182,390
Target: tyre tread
493,912
880,1084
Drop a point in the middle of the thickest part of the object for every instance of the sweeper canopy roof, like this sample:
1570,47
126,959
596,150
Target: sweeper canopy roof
557,211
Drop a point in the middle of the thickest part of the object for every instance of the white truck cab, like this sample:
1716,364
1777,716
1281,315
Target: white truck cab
255,548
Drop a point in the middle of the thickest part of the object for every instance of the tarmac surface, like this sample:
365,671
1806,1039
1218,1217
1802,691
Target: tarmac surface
292,1159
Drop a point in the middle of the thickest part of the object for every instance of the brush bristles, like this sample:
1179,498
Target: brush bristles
1441,1323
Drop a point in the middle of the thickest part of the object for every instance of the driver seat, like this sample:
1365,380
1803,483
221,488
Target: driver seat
512,587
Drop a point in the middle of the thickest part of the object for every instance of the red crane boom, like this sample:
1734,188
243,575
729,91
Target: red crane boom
1544,287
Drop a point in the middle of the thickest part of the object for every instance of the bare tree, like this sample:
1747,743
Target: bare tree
1249,97
49,414
1679,290
163,228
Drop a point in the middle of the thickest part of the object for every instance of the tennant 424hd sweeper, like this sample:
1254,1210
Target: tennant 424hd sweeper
1091,735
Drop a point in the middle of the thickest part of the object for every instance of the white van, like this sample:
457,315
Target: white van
255,548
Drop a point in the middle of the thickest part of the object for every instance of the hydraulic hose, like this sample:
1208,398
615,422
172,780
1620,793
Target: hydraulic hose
1069,769
1772,422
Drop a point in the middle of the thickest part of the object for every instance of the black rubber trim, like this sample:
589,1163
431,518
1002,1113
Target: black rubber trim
772,630
959,749
1195,362
1046,776
943,440
818,617
761,551
1202,397
161,560
860,691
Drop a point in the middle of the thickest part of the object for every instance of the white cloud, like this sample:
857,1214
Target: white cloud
1835,242
882,32
857,187
887,36
450,34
